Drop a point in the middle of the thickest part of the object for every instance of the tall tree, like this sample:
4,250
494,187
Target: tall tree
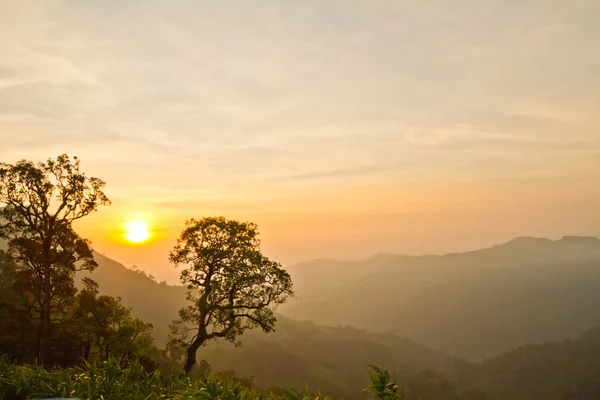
41,201
231,285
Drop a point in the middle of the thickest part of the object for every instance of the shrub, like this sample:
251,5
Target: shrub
108,380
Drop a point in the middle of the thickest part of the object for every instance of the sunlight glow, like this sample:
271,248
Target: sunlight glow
137,232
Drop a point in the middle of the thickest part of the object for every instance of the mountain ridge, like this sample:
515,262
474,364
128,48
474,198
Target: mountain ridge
473,304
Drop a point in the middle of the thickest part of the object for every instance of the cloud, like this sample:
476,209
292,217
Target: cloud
348,172
308,91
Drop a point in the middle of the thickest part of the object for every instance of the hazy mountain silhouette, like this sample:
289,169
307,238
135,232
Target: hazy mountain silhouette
331,358
546,371
149,300
475,304
314,279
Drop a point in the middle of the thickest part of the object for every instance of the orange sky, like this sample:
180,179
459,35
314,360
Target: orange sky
343,128
358,223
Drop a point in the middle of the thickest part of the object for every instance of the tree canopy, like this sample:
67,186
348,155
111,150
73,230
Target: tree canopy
231,285
40,202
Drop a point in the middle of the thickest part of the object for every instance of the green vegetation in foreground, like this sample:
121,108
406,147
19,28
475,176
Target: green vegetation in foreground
109,380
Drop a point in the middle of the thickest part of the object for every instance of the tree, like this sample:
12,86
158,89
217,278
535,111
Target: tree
15,322
41,202
105,328
231,285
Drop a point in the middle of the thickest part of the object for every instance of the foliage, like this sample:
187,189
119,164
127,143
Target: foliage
232,286
382,386
108,380
306,394
41,201
92,328
15,321
106,328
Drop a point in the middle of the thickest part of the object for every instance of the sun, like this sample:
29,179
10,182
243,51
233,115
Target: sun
137,231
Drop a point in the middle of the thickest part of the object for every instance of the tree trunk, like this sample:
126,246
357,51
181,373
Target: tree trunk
191,355
38,341
46,322
46,306
87,350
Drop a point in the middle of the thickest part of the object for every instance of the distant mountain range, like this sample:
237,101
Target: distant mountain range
474,305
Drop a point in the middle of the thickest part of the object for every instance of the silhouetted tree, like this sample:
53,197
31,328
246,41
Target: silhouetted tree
231,285
41,201
105,328
16,326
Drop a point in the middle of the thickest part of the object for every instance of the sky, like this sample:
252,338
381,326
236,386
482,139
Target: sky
343,128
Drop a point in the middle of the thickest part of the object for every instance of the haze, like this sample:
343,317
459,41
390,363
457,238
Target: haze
342,128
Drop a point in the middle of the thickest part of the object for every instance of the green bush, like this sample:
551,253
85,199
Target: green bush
108,380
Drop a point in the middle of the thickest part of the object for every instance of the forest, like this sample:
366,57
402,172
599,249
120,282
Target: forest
75,323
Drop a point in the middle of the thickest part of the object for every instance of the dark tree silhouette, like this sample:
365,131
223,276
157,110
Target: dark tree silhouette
231,285
105,328
41,201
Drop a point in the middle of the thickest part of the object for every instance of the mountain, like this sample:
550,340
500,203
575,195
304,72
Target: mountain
149,300
334,358
474,305
536,372
329,276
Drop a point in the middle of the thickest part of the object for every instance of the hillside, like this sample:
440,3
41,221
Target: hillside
476,304
540,372
335,358
331,358
330,279
151,301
